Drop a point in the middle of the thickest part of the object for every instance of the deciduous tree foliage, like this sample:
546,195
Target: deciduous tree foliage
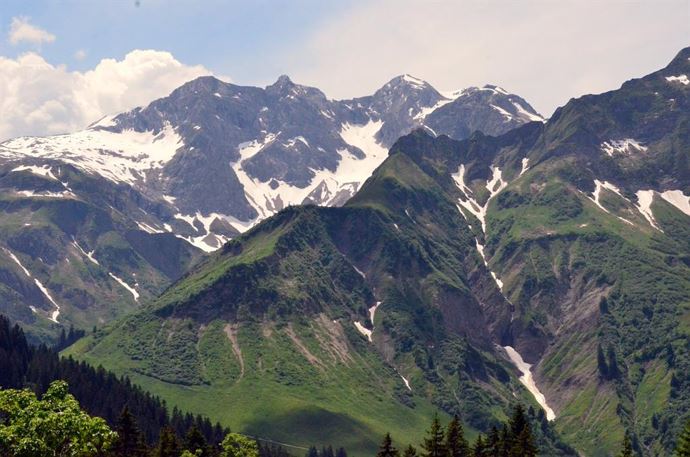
236,445
54,425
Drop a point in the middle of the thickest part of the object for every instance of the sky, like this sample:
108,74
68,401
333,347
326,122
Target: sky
66,63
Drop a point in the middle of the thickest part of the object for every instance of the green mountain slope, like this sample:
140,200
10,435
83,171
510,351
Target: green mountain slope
567,241
270,334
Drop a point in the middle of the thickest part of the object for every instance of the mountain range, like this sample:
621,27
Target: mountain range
547,263
97,221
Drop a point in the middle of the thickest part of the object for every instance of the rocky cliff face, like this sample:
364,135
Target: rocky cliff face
239,154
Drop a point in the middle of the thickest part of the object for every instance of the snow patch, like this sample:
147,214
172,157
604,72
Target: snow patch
88,255
206,240
105,121
677,199
270,197
494,186
46,194
424,112
361,273
505,113
528,380
54,315
130,289
363,330
119,157
45,170
523,113
644,205
147,228
372,314
624,146
683,79
596,195
416,82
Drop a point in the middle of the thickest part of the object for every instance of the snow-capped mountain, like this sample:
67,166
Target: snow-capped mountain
105,218
223,156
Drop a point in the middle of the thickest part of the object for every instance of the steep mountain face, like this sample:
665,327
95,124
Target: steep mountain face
238,154
560,249
588,240
201,165
71,253
507,111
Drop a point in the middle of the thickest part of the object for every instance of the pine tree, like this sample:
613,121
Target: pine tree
434,445
627,450
340,452
327,452
312,452
479,449
456,445
493,443
519,440
130,441
386,449
194,441
524,445
683,446
410,451
167,444
518,421
504,442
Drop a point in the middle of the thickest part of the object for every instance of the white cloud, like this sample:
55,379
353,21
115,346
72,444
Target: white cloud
80,54
546,51
38,98
22,31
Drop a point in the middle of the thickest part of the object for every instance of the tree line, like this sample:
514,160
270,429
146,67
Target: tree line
99,392
513,439
138,423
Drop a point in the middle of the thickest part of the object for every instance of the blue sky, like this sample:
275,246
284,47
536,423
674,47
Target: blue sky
229,37
64,62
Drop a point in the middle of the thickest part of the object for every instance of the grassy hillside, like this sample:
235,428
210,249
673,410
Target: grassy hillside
262,335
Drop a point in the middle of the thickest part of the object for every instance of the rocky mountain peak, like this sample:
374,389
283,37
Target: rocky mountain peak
200,86
408,85
283,82
284,87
